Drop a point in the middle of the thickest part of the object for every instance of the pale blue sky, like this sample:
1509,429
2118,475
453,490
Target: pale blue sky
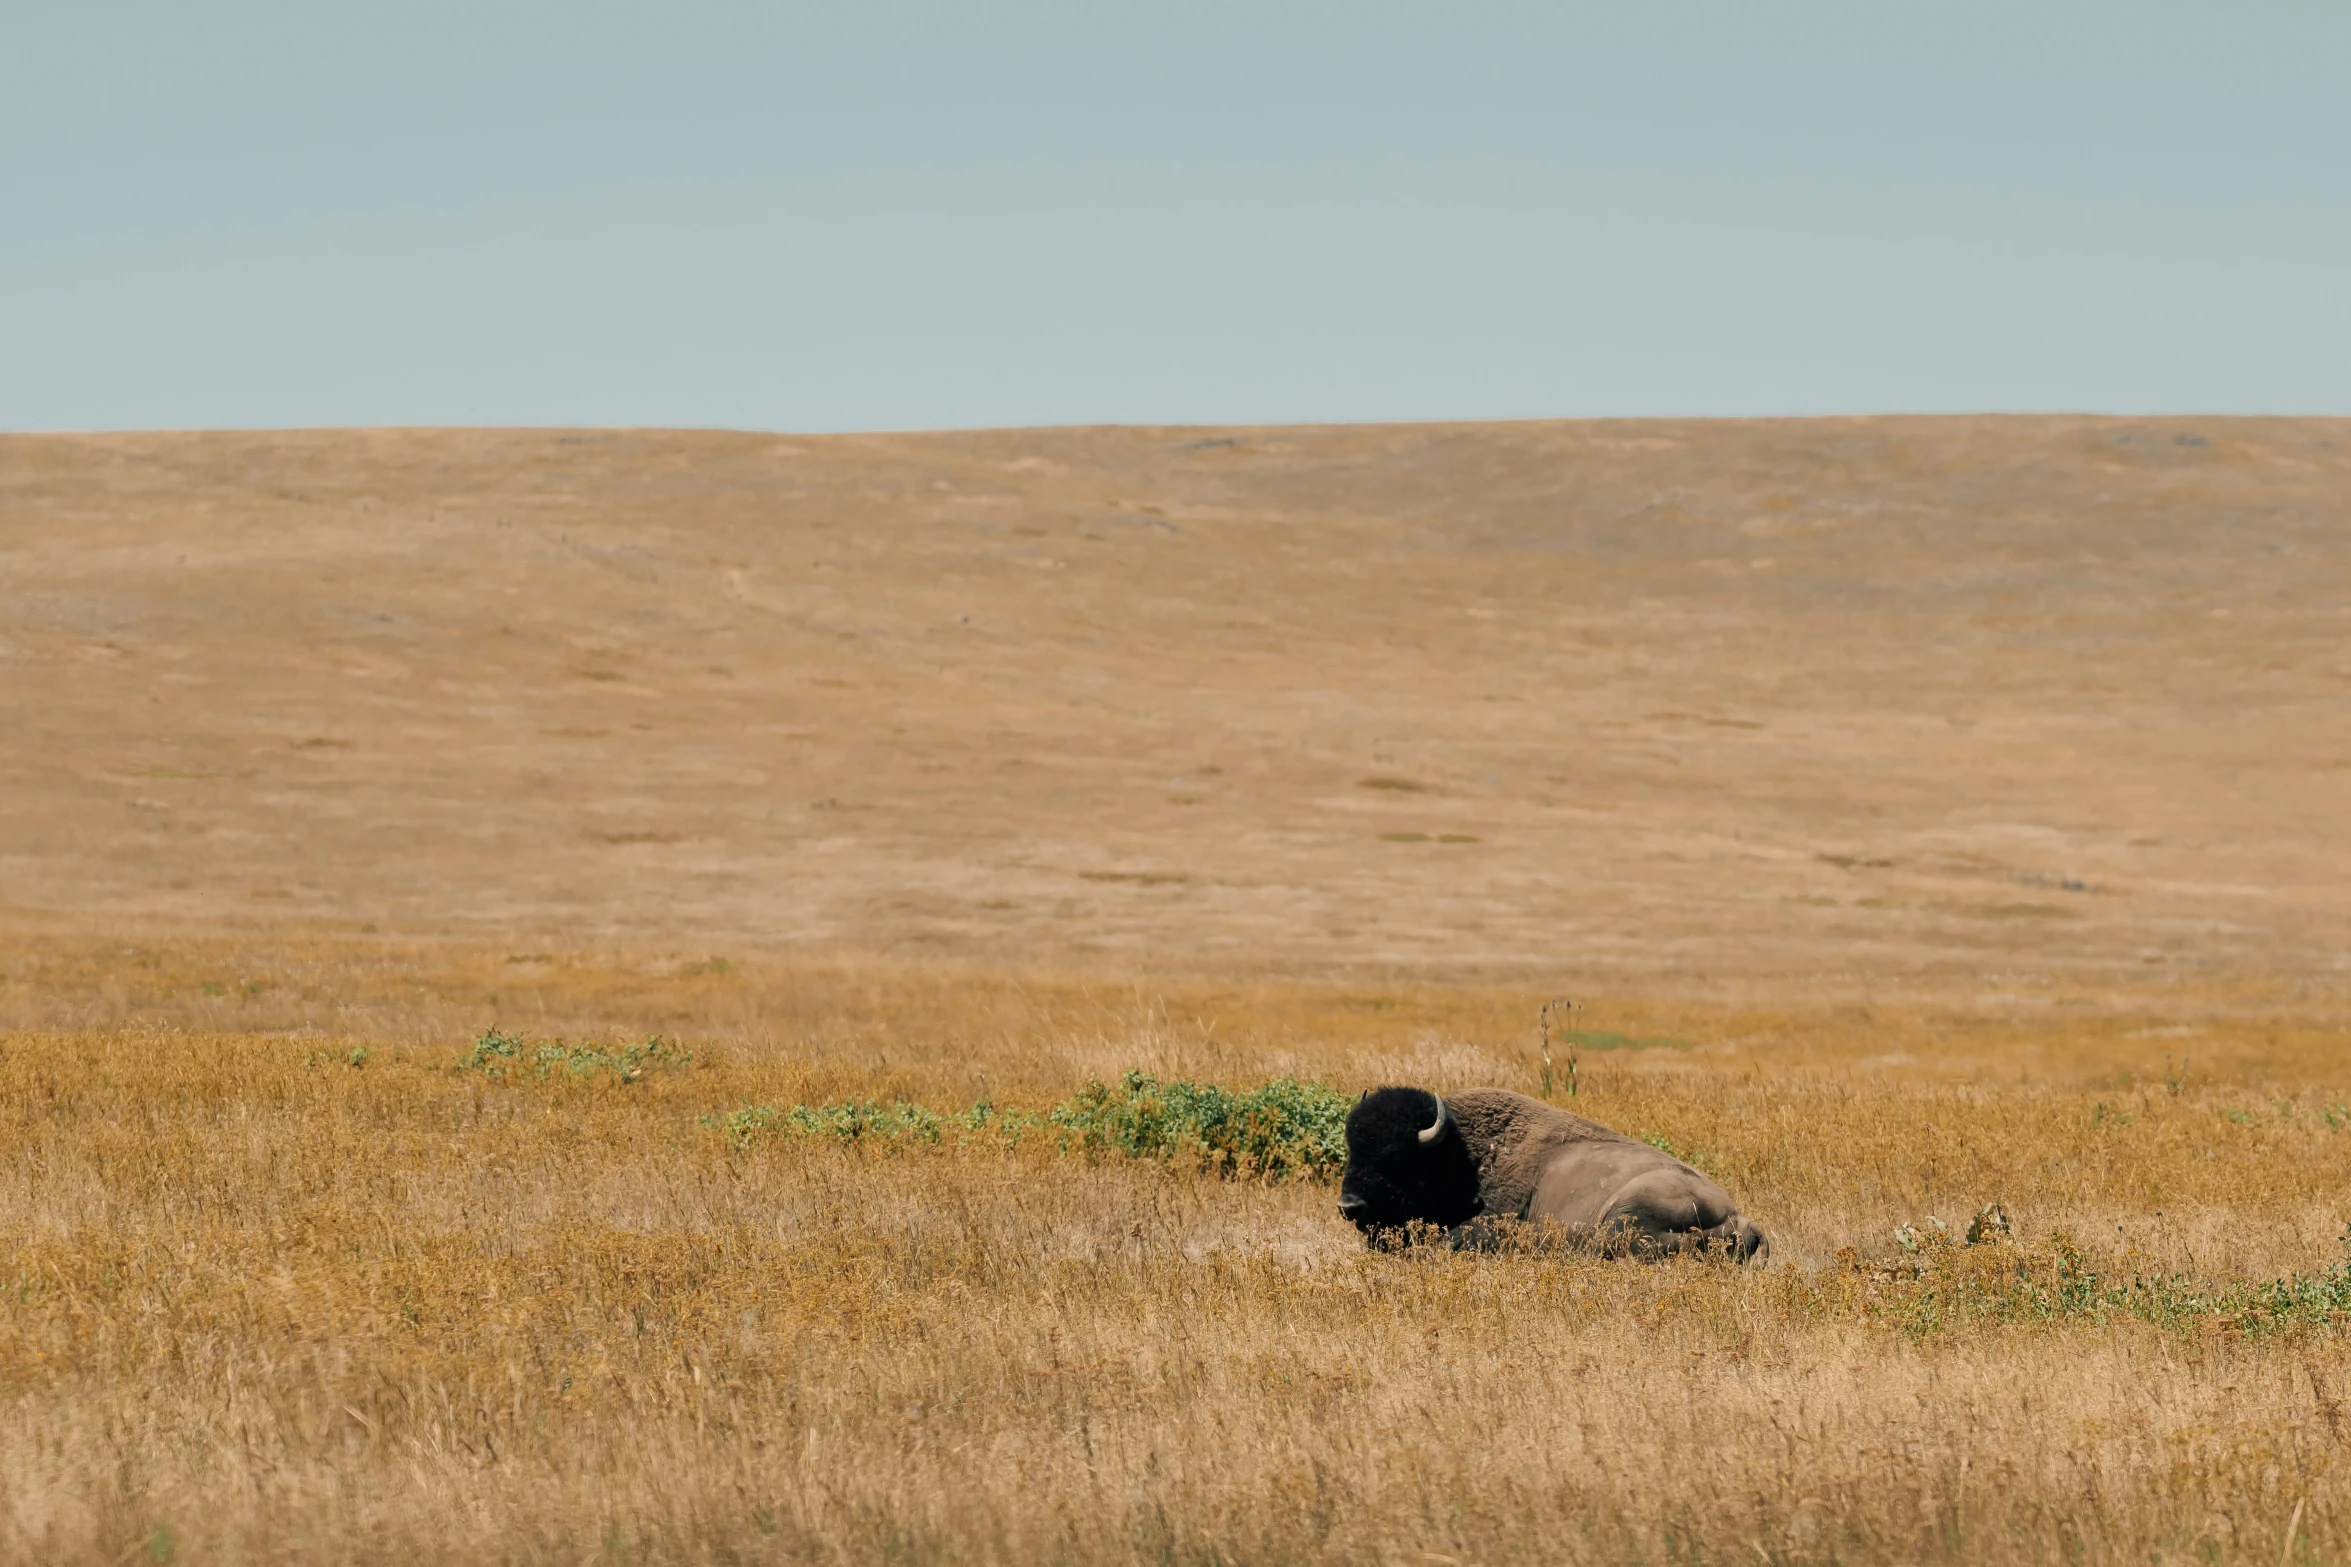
901,215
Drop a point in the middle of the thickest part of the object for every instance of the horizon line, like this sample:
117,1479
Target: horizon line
520,427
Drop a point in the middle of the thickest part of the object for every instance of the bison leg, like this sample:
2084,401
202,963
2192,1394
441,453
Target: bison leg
1669,1212
1740,1239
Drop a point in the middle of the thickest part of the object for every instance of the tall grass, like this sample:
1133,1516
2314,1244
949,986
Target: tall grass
260,1308
1282,1128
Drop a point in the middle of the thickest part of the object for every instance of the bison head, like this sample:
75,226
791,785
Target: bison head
1406,1160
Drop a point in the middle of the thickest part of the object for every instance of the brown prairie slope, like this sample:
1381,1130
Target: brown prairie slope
1951,700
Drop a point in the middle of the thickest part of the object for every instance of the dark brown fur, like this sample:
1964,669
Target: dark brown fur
1506,1157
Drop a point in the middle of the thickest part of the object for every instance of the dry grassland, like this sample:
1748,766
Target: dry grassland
1814,704
1933,813
266,1303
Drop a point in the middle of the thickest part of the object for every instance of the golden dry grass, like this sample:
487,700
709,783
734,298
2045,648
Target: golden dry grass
1966,795
266,1304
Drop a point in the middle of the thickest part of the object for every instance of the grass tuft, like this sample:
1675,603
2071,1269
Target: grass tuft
851,1121
512,1055
1285,1129
1947,1281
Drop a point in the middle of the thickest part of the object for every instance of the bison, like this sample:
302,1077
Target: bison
1463,1163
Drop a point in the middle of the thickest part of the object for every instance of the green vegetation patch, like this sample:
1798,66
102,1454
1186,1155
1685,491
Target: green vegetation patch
1947,1282
1285,1129
512,1056
1600,1039
850,1121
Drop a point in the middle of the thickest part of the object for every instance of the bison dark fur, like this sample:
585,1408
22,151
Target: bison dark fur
1471,1161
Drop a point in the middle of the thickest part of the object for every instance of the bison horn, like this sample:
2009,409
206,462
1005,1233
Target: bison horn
1436,1129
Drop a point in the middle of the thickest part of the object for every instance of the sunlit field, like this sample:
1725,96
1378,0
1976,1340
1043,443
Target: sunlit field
569,996
287,1279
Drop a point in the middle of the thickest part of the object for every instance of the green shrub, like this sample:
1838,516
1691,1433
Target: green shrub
1284,1129
1948,1281
511,1055
855,1120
